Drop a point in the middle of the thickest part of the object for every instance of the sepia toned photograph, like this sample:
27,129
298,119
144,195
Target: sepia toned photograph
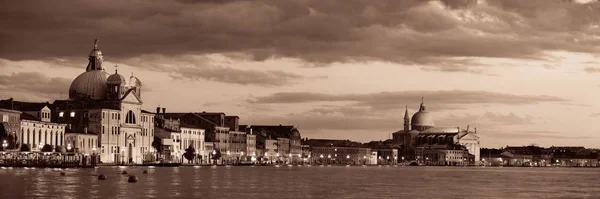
286,99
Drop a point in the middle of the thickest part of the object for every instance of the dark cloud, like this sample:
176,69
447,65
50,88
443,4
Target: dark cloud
591,69
435,100
536,135
401,31
237,76
316,121
488,119
34,85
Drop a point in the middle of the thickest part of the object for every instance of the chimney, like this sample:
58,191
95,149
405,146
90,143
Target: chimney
468,128
164,110
85,130
158,110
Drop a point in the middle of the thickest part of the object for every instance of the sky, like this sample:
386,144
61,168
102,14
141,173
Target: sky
521,72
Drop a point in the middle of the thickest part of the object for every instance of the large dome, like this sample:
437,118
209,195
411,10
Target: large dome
91,84
422,118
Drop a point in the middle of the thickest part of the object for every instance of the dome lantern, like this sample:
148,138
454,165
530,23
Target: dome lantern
422,120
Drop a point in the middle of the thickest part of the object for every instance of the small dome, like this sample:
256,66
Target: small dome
96,53
90,84
116,79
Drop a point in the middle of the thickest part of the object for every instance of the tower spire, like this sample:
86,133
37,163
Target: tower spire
422,108
95,58
406,119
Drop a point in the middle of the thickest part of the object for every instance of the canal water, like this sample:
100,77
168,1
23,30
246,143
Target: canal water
302,182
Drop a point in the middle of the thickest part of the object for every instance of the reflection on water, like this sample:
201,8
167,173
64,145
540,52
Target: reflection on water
302,182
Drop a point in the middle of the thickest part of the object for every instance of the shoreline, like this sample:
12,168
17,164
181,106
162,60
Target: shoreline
306,165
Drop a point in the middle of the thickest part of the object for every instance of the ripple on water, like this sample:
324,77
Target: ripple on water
304,182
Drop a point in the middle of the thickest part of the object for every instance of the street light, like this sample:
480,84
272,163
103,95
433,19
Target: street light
69,147
347,156
40,146
4,144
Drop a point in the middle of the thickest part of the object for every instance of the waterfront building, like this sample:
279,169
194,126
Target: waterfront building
193,136
214,124
527,156
270,150
81,142
383,152
37,132
237,145
111,107
287,141
574,157
251,148
10,128
328,151
421,126
165,144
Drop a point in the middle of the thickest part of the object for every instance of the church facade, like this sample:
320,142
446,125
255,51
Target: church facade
420,140
110,107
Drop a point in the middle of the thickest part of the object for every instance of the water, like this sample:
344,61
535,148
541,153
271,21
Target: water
303,182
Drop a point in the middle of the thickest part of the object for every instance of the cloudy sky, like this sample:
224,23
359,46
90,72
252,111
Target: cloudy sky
522,72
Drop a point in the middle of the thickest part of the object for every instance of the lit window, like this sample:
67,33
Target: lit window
72,114
61,114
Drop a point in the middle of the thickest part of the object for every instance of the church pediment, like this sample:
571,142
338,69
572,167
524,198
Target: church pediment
131,97
469,136
130,137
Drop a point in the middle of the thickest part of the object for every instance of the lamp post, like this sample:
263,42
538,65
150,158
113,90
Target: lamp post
40,146
4,145
214,153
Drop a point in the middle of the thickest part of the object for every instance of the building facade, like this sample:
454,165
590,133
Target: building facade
109,106
192,136
81,143
36,133
421,126
10,128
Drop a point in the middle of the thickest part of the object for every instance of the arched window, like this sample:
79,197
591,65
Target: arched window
130,119
22,136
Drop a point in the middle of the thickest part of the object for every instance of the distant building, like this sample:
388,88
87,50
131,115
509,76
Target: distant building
327,151
383,152
287,141
413,141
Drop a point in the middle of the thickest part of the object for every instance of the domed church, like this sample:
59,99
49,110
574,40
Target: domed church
420,139
111,107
